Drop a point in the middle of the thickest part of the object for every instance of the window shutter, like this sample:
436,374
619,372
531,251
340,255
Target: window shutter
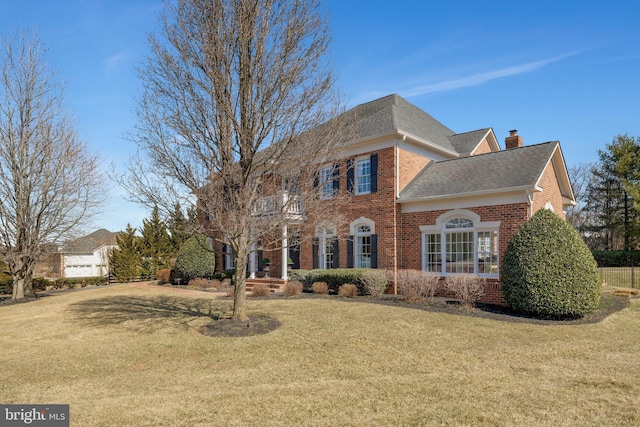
336,178
350,176
260,264
316,179
336,254
350,252
374,251
374,173
314,245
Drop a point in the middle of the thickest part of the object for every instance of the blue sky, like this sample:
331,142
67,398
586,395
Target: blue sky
567,71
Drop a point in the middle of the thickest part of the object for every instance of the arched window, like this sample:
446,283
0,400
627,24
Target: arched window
461,243
325,247
362,244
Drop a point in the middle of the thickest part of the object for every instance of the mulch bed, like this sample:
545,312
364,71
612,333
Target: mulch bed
256,325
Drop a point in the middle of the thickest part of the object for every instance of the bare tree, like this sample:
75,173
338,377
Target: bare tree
49,183
578,216
232,92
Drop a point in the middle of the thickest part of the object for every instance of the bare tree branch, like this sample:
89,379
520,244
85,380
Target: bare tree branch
231,92
50,184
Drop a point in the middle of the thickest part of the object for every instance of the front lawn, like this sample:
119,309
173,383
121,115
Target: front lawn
126,356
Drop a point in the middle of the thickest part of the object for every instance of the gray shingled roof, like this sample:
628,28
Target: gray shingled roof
392,113
464,143
500,170
90,242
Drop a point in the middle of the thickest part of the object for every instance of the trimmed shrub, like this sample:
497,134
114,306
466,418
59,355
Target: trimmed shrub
348,290
467,288
374,282
617,258
195,259
299,275
68,282
202,283
334,278
549,271
292,288
261,290
163,275
320,288
415,285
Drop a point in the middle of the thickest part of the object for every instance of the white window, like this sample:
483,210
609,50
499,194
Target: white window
363,246
461,243
363,175
228,258
326,182
326,238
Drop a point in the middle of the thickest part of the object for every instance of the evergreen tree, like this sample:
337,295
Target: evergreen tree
613,194
125,261
181,227
156,247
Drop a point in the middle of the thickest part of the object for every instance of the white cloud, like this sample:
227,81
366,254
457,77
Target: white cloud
480,78
114,62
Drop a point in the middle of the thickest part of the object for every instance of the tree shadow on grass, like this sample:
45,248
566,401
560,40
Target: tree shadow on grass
148,314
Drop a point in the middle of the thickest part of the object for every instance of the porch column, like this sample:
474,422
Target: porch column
252,262
285,253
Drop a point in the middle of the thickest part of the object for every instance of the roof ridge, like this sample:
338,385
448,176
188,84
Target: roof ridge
498,152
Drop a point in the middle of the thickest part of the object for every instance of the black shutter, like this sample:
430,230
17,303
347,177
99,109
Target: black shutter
374,173
374,251
336,253
260,264
316,179
314,245
350,252
336,178
224,255
350,176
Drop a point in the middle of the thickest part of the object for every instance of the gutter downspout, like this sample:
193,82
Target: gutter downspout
530,202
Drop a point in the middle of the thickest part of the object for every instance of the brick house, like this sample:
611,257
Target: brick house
425,197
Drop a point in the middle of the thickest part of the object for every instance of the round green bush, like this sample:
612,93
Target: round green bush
549,271
195,259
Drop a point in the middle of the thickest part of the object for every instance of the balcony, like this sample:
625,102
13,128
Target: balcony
285,203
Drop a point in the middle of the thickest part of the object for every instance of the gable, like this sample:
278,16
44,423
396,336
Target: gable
495,172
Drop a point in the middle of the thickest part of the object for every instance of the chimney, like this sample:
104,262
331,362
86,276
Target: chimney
513,140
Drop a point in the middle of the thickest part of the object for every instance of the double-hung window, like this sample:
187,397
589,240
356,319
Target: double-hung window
363,175
363,247
326,180
461,244
325,247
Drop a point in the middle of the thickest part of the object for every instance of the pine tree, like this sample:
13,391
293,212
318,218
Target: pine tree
125,262
180,227
611,194
156,248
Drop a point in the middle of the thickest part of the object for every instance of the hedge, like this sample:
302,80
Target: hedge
617,258
334,278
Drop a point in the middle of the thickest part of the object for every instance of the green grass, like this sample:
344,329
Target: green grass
125,356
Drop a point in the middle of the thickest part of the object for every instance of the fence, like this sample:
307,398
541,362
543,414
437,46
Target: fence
623,277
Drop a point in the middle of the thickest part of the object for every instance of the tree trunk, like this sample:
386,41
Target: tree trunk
18,289
240,280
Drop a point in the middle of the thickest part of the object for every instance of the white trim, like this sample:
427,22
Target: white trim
424,205
356,175
362,221
479,226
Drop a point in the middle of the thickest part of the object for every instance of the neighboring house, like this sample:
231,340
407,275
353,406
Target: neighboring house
88,256
425,197
49,264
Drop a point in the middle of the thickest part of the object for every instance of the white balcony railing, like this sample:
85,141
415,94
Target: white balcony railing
285,203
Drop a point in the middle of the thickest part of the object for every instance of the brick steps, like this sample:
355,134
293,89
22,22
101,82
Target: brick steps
275,285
